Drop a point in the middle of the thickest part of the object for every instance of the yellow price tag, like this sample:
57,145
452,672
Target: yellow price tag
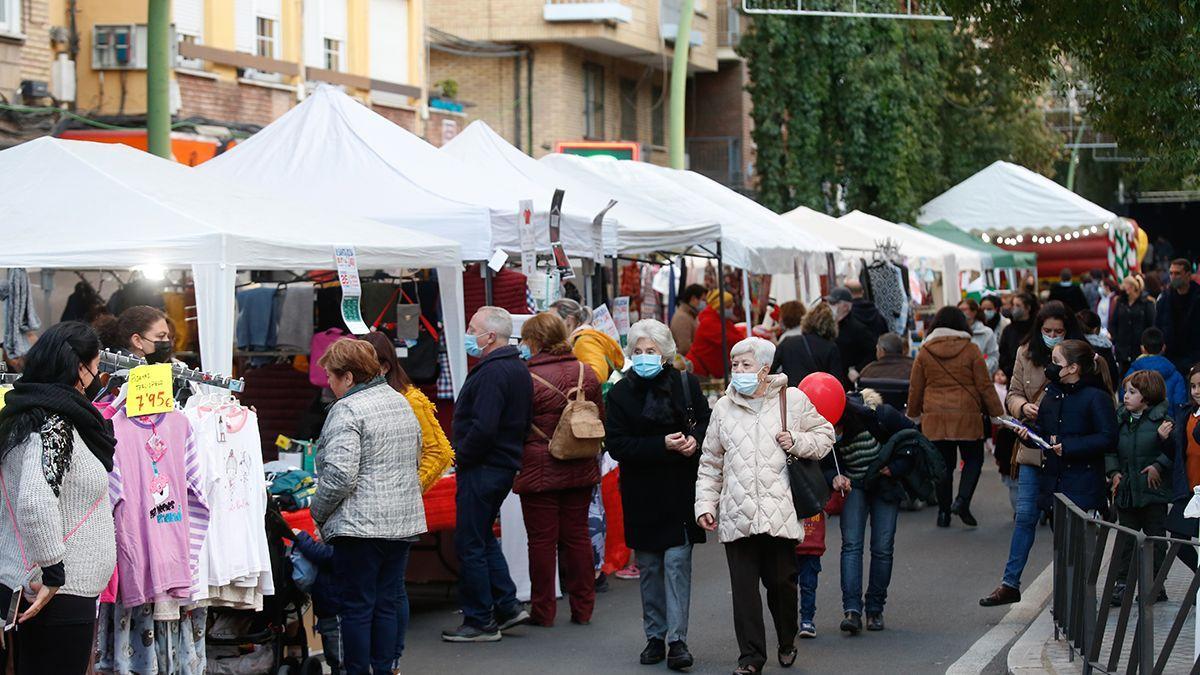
283,442
3,391
149,390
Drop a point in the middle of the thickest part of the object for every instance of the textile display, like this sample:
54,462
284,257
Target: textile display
19,315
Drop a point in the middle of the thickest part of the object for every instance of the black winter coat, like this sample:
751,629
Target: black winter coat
856,343
1126,324
1182,355
1010,342
658,486
493,412
1179,477
821,356
1083,417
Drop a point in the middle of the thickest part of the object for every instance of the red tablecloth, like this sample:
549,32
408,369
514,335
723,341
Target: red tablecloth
439,509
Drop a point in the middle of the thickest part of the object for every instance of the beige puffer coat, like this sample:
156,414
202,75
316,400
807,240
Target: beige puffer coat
743,478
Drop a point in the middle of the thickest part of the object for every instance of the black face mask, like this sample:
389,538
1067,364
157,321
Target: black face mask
93,389
1054,372
163,350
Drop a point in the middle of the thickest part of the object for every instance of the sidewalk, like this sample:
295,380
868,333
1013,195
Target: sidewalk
1038,652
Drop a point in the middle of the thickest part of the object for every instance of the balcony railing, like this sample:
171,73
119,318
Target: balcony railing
605,11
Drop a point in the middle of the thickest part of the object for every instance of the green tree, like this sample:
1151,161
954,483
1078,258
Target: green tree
1142,58
881,115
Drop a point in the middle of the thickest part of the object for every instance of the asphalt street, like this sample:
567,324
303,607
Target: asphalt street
933,616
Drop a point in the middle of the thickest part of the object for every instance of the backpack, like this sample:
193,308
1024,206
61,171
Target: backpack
928,466
580,431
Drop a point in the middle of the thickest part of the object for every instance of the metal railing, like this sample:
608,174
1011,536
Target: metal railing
718,157
1082,608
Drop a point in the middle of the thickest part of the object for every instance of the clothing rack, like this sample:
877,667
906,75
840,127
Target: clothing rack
887,249
112,362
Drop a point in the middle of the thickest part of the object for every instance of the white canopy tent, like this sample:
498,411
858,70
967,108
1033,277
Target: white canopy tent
127,208
920,249
333,150
636,230
1007,200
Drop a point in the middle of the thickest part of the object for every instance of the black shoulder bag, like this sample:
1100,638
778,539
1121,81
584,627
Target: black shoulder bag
809,490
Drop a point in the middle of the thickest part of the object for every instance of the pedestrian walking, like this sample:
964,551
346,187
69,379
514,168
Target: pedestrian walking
1178,314
656,419
1131,314
555,493
57,548
1068,293
981,335
1089,322
1024,309
368,502
707,354
808,571
1076,417
1185,472
1139,468
990,307
951,393
855,339
684,322
892,361
741,494
807,345
593,347
491,420
1152,359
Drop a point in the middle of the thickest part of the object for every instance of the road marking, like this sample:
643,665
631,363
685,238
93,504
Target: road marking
1016,620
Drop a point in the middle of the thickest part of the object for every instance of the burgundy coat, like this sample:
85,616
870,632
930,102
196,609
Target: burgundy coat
541,472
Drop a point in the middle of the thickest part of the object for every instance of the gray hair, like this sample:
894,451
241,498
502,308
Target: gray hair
657,332
498,321
763,350
571,309
891,343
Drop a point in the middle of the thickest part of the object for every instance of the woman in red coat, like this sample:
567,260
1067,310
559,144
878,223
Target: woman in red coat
707,355
554,493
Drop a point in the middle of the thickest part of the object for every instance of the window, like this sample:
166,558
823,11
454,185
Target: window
333,54
264,37
189,28
593,101
120,47
183,61
657,103
10,17
629,109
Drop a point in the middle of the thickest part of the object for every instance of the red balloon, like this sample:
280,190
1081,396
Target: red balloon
826,394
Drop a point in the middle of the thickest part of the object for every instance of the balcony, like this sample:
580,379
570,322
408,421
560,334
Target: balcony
670,12
586,11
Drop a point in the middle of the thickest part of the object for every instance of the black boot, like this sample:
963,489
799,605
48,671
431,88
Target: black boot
678,656
655,652
943,519
852,624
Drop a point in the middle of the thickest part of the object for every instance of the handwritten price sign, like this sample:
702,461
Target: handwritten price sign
149,390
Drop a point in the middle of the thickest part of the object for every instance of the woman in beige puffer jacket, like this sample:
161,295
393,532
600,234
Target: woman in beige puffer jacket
742,490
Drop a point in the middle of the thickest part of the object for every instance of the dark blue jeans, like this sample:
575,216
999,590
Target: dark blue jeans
368,572
861,504
808,567
484,584
402,613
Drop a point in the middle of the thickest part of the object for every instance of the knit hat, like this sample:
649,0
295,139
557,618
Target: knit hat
714,296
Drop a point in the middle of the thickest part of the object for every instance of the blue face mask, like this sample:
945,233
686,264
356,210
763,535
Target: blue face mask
1051,342
525,353
744,383
989,314
472,345
647,366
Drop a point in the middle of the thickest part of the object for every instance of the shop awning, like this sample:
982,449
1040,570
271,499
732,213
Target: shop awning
82,205
1007,200
1000,257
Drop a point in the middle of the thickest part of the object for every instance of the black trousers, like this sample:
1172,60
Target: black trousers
771,561
58,641
972,456
1151,519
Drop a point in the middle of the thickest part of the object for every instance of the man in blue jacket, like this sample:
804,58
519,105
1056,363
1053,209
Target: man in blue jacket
491,418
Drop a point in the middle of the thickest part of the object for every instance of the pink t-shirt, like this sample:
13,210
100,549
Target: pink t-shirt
158,506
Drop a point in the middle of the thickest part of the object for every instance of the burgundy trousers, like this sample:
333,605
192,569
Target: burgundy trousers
557,525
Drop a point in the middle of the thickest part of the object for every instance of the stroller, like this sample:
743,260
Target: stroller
277,633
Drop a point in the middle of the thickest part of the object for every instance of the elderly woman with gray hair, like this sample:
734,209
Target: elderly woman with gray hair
743,493
656,419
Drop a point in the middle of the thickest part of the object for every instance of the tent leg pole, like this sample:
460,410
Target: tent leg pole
487,285
616,277
721,309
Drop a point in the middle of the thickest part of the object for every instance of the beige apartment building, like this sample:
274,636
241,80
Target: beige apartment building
542,72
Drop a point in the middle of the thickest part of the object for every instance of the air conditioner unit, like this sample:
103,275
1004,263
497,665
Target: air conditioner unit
62,79
119,47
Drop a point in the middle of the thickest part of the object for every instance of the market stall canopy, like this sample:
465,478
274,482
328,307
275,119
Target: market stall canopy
761,249
847,239
333,150
1007,200
920,248
636,231
1000,257
128,208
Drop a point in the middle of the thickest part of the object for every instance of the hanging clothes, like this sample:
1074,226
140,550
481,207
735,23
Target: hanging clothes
888,293
129,641
82,303
135,293
19,315
258,318
296,316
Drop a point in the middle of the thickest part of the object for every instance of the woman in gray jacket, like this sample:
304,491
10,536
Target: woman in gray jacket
57,544
368,502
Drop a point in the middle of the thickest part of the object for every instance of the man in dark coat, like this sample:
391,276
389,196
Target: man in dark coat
855,340
1068,293
1178,316
864,310
491,420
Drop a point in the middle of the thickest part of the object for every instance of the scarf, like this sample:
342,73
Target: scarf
657,405
39,402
